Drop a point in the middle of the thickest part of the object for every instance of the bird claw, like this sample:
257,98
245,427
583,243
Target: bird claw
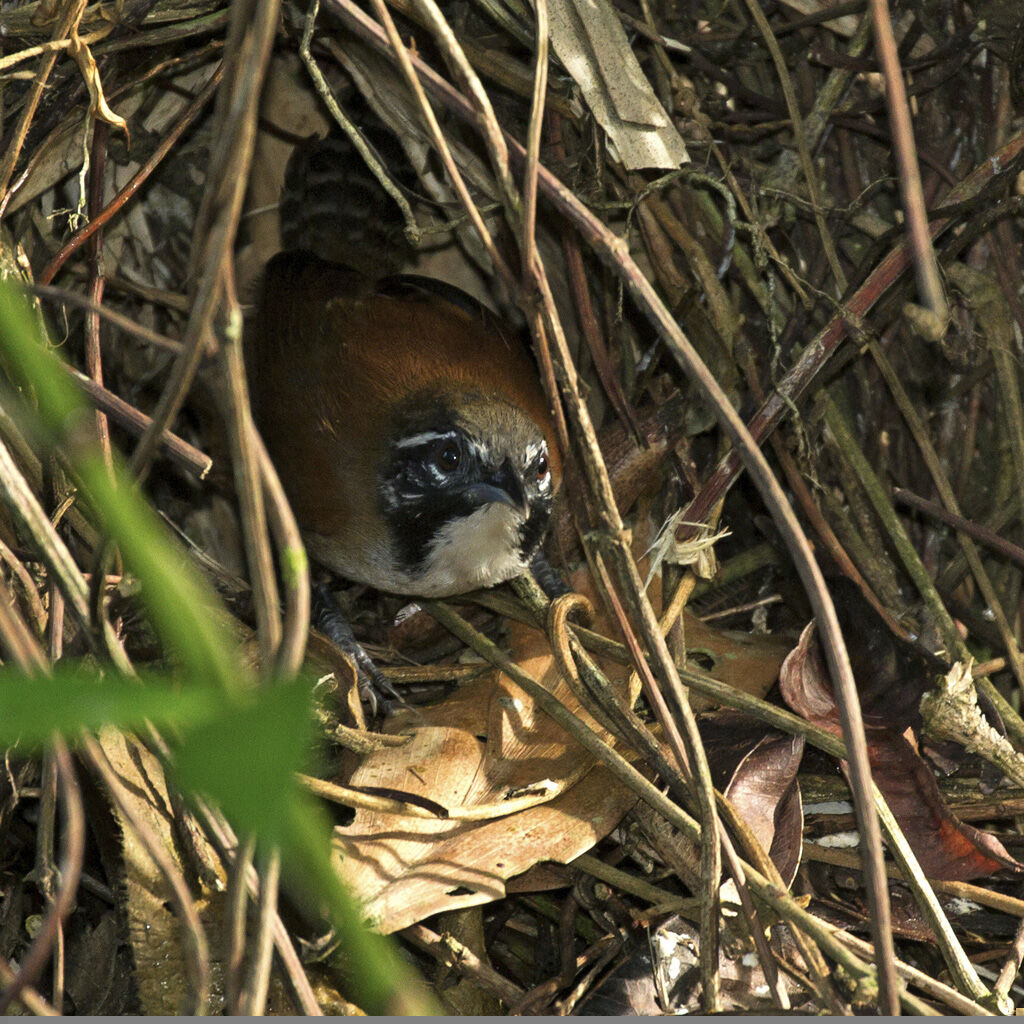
374,687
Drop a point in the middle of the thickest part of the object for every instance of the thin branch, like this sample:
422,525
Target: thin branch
140,177
926,266
34,961
976,531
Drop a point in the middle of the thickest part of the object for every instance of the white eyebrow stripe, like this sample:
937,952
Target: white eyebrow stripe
533,450
425,438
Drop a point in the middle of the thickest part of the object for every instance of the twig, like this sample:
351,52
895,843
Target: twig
931,987
45,870
294,568
259,976
44,291
29,997
34,961
873,487
942,485
454,955
528,237
137,181
952,952
180,453
542,793
811,177
407,65
585,307
486,123
29,591
929,284
235,926
1008,973
692,760
22,502
982,534
54,46
373,164
248,477
93,352
70,15
823,346
223,838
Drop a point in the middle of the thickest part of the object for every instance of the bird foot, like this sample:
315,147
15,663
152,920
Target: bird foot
548,578
374,687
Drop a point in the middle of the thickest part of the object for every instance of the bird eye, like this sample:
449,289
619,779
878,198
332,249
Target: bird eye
542,467
448,457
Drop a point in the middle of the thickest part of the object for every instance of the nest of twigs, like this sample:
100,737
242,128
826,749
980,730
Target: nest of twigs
769,256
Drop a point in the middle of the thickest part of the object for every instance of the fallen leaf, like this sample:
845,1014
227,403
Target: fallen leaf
756,769
946,847
98,106
591,43
484,743
747,663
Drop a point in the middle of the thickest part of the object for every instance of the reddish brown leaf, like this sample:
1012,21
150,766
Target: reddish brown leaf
804,683
947,848
756,768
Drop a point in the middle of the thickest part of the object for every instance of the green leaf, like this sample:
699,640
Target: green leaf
179,600
32,709
246,761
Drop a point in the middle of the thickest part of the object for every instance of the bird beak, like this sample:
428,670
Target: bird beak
504,486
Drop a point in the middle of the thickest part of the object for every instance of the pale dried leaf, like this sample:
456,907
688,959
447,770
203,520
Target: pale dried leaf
590,41
484,743
698,551
99,108
154,932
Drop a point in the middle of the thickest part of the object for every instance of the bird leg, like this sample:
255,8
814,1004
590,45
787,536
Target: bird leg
329,619
547,576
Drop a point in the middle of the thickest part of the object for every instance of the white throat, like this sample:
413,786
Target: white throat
478,550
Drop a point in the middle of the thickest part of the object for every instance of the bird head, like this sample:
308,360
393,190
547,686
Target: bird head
466,490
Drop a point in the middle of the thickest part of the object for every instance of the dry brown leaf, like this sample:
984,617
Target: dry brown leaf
154,932
484,744
98,106
747,663
756,768
406,869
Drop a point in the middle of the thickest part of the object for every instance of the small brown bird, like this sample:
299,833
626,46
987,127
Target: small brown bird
410,431
407,424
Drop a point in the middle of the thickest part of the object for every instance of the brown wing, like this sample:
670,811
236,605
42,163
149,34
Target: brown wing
333,360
